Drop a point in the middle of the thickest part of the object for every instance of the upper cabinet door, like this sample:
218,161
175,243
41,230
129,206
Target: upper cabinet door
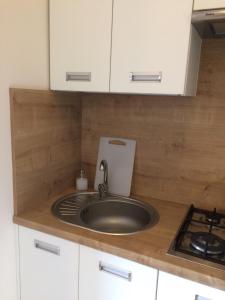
208,4
80,43
151,46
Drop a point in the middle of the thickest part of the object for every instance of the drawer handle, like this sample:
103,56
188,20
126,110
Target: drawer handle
47,247
143,77
78,76
117,272
197,297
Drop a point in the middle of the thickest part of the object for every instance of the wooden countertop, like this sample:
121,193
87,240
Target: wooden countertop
147,247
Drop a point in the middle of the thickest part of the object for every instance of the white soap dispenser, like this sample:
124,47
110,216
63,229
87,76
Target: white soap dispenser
82,181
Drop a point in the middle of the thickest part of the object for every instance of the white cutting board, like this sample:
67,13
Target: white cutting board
119,154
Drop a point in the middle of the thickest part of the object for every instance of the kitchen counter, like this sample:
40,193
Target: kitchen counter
148,247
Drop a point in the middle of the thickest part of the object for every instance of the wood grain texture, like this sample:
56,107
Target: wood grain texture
148,247
180,154
46,145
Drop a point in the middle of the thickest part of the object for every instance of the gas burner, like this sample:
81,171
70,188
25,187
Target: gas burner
208,243
213,218
201,237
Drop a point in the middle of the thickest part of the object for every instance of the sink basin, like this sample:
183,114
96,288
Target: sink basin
112,215
118,216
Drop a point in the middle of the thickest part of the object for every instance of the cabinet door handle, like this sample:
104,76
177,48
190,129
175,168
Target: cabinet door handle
197,297
78,76
47,247
114,271
144,77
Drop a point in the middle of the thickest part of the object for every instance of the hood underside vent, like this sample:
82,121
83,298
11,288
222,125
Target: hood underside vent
210,23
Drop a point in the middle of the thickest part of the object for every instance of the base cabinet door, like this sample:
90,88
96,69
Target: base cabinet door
176,288
48,267
108,277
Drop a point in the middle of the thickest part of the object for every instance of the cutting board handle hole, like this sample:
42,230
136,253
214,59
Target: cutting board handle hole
117,142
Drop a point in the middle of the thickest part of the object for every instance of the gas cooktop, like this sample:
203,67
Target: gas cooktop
201,237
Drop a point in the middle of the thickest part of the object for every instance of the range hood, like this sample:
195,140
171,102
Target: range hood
209,23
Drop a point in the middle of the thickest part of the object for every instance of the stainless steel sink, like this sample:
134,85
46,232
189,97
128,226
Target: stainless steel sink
112,215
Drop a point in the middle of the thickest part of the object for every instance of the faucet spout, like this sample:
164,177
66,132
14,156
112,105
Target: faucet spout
104,167
103,187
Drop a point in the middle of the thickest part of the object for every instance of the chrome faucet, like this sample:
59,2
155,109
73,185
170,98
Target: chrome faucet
103,187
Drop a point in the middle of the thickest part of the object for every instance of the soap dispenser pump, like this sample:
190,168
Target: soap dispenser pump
82,181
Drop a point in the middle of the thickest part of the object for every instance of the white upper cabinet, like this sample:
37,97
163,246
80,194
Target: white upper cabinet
124,46
208,4
153,50
80,42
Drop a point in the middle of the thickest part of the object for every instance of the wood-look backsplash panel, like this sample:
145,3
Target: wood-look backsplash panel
46,144
180,153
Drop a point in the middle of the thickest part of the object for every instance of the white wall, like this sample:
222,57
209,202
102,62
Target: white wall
23,63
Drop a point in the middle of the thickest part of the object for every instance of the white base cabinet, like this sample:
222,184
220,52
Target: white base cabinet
55,269
108,277
48,267
171,287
